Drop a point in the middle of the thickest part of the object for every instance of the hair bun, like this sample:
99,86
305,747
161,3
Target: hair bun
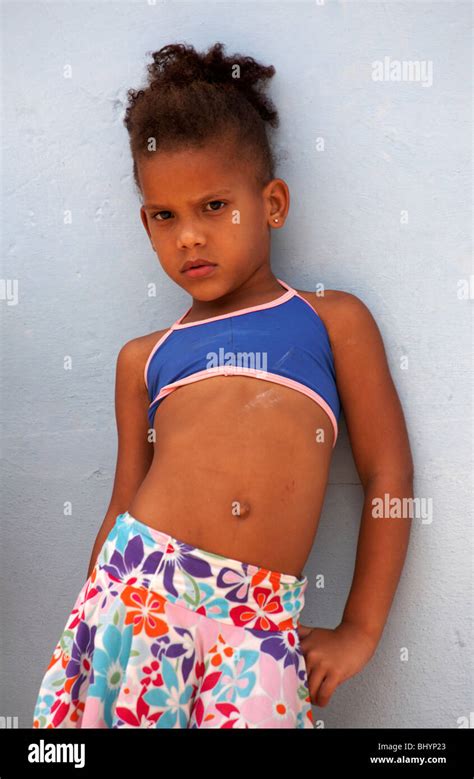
180,65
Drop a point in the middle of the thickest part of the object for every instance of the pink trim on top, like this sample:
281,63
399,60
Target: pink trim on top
290,292
228,370
308,304
158,344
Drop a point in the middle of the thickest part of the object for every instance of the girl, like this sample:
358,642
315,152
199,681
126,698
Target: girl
227,421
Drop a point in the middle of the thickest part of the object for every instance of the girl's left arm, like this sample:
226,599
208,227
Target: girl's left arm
382,455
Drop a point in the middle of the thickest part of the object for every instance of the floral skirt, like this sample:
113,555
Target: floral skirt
166,635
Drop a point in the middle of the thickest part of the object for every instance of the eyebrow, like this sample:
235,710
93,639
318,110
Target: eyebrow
207,196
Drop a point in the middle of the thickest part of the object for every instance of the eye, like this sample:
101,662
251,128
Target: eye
216,201
162,219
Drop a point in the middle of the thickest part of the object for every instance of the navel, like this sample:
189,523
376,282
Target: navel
240,509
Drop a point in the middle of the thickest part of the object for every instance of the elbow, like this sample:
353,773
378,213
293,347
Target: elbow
398,478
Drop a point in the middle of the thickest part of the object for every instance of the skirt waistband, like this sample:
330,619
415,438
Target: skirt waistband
219,587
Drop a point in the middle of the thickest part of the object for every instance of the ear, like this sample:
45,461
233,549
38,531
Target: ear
144,218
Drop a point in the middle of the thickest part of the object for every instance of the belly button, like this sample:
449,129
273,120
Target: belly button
241,510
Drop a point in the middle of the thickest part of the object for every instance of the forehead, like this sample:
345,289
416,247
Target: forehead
188,172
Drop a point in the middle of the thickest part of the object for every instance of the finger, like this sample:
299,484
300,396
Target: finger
305,644
326,689
303,632
315,679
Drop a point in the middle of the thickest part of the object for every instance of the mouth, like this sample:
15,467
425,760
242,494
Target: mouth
198,268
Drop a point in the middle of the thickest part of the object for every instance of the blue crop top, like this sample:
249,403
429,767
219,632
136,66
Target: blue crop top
284,341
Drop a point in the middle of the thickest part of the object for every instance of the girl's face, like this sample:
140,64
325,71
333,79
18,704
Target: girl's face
204,204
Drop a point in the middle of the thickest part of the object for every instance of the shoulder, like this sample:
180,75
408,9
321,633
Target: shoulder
133,355
332,301
343,314
136,348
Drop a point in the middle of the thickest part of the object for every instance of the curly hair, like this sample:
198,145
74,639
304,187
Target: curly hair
192,98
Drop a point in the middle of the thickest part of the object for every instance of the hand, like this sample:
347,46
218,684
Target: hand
332,656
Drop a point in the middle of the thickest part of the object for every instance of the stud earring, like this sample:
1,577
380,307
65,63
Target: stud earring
275,220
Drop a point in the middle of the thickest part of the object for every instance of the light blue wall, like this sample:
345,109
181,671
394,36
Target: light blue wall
390,147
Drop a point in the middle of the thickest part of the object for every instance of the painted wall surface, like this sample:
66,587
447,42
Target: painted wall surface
381,211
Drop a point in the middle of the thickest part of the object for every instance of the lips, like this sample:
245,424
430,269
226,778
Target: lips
196,264
200,271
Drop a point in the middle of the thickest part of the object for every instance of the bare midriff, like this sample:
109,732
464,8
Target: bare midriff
239,469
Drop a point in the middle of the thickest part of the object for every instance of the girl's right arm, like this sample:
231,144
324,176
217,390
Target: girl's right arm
135,452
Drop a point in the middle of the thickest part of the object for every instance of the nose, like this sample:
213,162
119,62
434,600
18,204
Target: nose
190,236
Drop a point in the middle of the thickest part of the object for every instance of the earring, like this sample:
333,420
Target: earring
275,220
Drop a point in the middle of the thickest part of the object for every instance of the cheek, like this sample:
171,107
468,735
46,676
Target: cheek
245,227
162,238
